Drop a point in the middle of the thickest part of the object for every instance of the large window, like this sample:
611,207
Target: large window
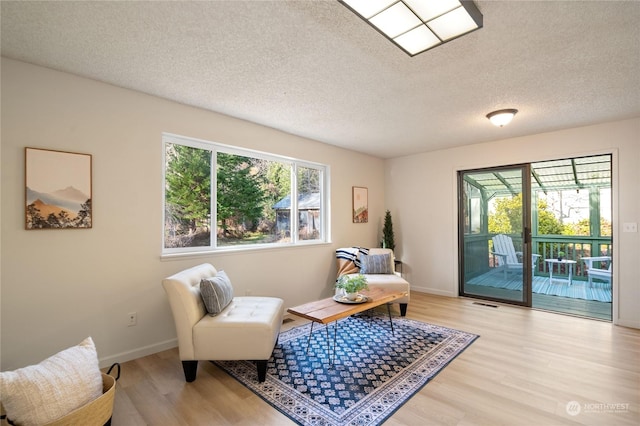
248,198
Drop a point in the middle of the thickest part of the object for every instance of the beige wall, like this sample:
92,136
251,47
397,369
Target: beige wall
58,287
421,194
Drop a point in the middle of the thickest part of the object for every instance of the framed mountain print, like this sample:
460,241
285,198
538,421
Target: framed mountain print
57,189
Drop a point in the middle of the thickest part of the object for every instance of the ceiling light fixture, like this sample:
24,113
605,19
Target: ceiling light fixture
418,25
502,117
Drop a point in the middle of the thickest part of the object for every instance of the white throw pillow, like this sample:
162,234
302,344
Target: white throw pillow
42,393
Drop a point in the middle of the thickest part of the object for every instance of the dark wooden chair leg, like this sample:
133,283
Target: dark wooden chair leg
403,309
262,370
190,368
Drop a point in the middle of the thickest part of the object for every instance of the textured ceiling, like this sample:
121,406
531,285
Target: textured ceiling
314,69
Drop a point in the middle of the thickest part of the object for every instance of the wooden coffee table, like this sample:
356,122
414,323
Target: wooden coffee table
328,310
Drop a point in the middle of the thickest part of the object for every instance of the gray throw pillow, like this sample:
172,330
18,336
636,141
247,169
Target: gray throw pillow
217,292
376,264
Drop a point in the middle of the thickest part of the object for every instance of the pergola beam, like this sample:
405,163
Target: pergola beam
506,184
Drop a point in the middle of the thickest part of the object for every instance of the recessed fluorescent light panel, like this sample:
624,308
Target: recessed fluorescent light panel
418,25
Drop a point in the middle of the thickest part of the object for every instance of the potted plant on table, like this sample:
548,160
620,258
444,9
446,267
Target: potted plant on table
352,284
560,256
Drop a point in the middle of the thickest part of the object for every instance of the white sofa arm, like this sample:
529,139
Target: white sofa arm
187,307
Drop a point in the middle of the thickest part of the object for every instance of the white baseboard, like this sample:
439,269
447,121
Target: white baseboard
137,353
433,291
627,323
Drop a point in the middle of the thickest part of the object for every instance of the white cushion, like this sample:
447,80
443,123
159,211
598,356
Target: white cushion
246,329
390,281
42,393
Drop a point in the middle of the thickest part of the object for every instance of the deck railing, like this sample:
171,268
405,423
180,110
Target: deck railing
479,259
574,248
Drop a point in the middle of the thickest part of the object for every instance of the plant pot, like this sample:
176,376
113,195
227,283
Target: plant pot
559,259
352,296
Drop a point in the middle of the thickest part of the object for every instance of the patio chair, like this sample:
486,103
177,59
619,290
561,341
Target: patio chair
603,274
508,258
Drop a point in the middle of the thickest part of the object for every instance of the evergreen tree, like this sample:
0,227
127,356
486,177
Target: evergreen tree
240,198
276,186
308,180
188,180
387,232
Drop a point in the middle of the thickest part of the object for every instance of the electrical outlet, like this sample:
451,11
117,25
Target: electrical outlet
629,227
133,319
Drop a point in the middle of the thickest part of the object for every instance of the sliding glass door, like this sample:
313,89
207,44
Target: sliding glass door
494,234
539,235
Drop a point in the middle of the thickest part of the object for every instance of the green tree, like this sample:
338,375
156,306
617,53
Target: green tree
548,223
605,228
507,217
388,240
308,180
276,186
582,227
188,186
240,199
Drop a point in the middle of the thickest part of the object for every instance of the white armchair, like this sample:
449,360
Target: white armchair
247,329
348,261
603,274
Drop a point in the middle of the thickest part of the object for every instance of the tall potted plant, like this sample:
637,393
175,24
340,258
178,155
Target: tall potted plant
387,232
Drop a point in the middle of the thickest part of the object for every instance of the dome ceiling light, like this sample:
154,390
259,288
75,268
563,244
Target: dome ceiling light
502,117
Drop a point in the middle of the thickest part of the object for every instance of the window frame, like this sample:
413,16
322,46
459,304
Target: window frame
214,148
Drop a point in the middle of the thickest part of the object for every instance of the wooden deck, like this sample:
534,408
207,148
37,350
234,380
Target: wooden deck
557,296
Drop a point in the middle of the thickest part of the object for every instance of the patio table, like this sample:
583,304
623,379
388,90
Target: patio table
569,264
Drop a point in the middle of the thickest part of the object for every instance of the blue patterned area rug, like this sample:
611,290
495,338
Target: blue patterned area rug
373,373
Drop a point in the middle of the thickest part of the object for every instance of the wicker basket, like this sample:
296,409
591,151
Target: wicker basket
95,413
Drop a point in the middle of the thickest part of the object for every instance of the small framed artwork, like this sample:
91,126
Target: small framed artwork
57,189
360,205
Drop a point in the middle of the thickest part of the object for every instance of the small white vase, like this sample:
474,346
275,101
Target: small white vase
352,296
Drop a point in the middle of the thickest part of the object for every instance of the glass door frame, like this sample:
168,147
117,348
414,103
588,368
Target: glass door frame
525,173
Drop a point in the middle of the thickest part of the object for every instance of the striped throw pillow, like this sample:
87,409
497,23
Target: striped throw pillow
376,264
217,292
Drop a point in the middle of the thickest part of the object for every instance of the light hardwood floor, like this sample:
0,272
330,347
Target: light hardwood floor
525,369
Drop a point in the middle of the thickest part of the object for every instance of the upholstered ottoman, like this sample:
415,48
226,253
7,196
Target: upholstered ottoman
246,329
